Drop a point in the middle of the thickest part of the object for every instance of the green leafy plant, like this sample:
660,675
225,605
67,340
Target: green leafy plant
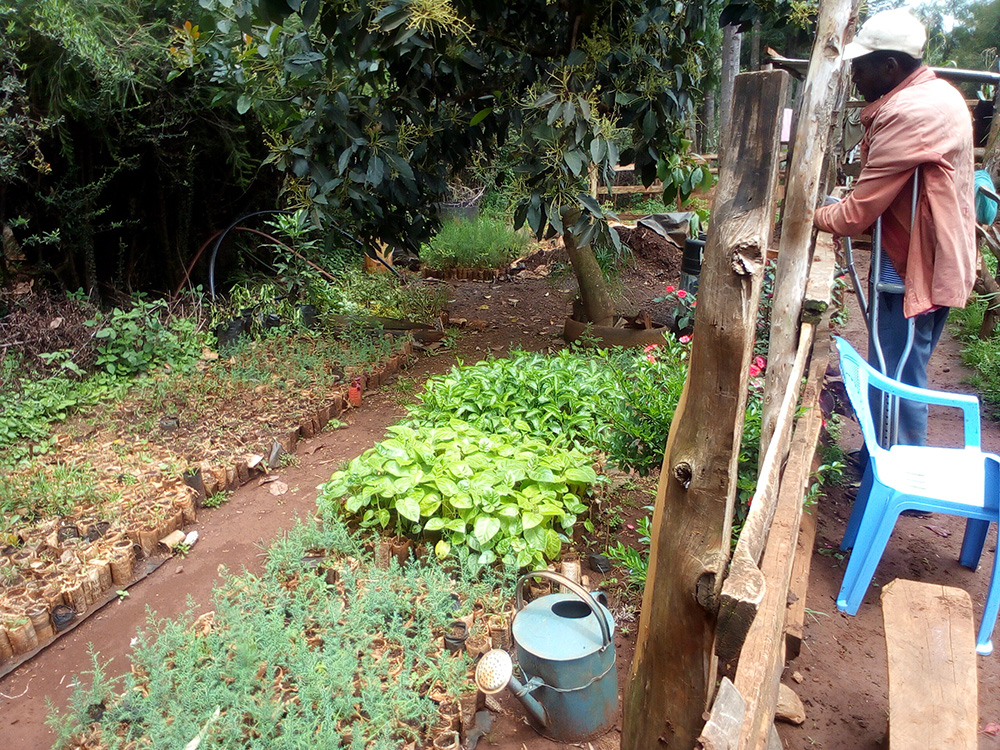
503,496
553,398
647,389
217,500
683,304
635,561
135,339
483,242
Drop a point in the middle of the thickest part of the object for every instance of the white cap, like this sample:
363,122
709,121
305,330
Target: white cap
894,30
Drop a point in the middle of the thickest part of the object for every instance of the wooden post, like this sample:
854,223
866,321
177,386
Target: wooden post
673,672
801,196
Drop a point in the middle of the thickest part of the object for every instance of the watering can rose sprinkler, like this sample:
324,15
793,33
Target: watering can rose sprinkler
564,648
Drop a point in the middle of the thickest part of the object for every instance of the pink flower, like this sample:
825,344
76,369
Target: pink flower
684,339
754,371
630,527
760,362
650,358
670,288
650,348
694,303
682,293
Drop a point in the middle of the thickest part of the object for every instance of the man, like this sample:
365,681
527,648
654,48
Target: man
914,123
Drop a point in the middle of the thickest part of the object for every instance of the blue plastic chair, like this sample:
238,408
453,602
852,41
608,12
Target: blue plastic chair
955,481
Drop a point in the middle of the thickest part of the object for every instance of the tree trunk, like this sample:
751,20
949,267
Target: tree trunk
991,159
708,129
755,46
597,304
731,40
673,672
805,173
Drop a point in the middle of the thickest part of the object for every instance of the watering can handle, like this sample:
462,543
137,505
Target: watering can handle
576,588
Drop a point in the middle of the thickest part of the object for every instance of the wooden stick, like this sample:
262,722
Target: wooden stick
804,182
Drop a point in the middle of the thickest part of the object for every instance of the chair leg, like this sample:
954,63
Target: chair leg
984,641
871,542
858,512
973,542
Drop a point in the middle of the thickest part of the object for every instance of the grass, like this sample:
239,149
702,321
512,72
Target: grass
481,243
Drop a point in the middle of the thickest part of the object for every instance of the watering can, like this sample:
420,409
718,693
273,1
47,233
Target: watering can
564,648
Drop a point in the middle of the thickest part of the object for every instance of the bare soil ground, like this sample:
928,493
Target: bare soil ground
840,673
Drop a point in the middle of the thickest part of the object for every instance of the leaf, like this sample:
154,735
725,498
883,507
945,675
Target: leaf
442,549
434,524
574,161
486,527
530,519
243,104
480,116
408,508
580,475
553,545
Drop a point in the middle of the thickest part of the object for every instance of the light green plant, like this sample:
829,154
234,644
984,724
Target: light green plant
218,499
502,496
483,242
556,398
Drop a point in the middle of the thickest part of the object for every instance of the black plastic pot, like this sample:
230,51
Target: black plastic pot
62,616
694,250
308,315
454,639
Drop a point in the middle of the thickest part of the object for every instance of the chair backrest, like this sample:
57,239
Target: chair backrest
855,372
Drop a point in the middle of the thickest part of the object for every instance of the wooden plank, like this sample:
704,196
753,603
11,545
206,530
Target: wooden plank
795,615
931,642
762,656
805,180
743,590
673,672
819,285
655,189
722,730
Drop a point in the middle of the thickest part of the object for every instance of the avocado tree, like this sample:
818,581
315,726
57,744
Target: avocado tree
371,107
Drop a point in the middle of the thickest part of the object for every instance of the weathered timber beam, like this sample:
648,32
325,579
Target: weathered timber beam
743,589
673,672
805,174
819,285
762,656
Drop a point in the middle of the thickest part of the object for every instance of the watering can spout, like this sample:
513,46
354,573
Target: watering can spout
523,693
495,672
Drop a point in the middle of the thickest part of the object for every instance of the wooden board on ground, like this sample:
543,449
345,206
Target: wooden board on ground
930,638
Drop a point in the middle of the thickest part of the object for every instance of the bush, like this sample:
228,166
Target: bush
483,242
557,398
502,496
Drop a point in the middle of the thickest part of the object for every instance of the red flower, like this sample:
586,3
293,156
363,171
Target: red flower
650,357
754,371
760,362
650,348
682,293
684,339
670,287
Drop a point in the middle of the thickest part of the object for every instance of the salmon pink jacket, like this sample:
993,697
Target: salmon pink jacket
922,124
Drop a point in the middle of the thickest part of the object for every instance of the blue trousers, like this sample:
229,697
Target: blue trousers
892,331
